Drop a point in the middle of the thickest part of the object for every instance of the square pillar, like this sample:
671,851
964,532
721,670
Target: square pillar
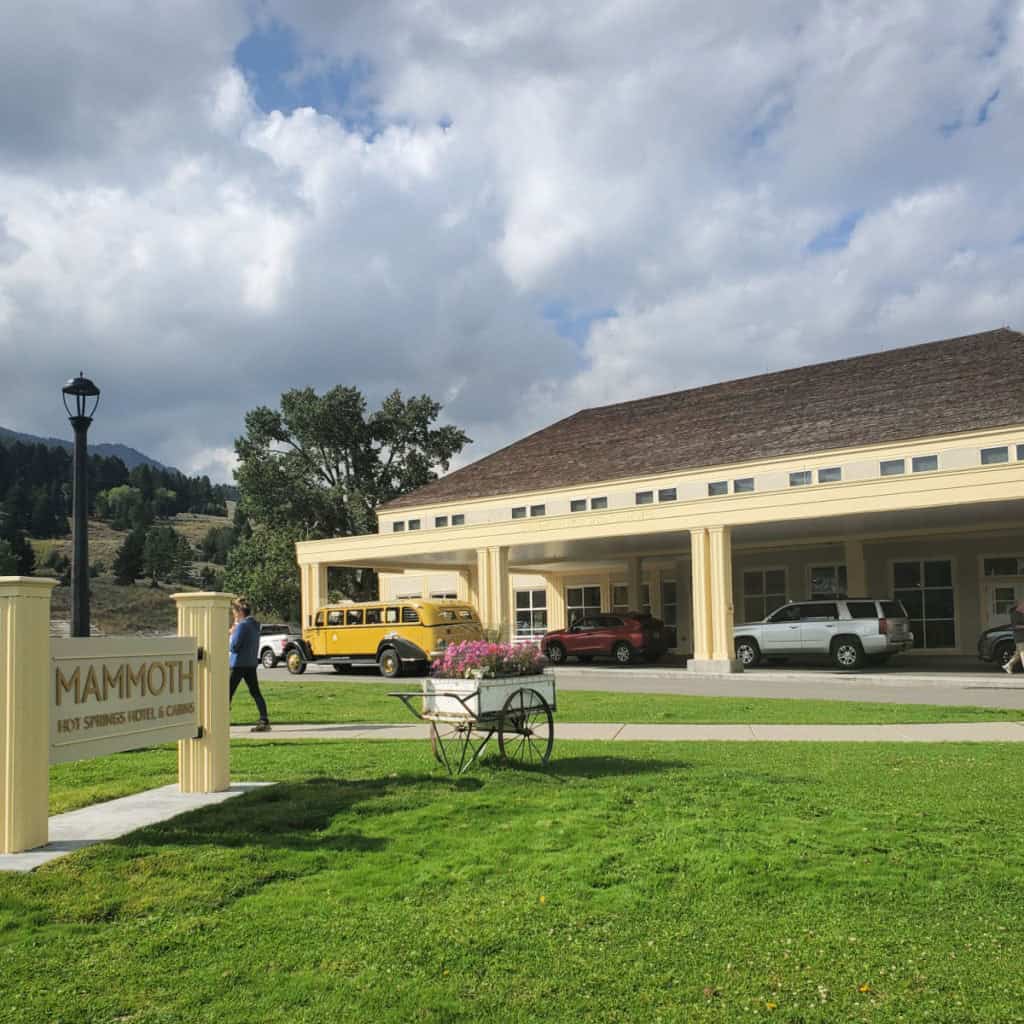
24,712
633,581
204,764
555,602
494,591
856,569
711,572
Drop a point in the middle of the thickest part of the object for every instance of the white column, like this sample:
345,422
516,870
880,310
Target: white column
24,712
856,569
633,579
494,591
711,572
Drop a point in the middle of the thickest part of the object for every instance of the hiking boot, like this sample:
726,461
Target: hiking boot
261,727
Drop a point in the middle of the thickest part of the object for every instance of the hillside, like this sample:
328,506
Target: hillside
129,456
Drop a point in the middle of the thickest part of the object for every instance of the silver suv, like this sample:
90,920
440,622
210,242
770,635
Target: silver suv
849,630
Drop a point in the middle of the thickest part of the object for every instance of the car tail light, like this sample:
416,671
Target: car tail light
883,627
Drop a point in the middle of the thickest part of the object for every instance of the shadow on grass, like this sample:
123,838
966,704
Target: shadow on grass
596,767
291,815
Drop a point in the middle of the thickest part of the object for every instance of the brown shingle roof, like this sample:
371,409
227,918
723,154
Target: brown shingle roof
941,387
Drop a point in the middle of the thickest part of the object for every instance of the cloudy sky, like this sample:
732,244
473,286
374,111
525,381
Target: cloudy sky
520,209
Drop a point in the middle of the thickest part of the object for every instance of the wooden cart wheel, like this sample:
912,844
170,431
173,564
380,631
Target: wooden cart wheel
442,736
527,730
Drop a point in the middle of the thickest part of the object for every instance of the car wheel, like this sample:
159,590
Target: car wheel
295,663
1004,652
556,654
390,663
847,653
747,652
622,653
269,659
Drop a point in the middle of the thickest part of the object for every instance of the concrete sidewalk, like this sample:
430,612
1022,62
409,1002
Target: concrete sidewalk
937,732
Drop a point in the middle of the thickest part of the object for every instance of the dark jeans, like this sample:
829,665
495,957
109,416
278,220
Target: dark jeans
249,675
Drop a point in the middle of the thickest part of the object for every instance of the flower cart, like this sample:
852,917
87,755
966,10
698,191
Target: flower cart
479,689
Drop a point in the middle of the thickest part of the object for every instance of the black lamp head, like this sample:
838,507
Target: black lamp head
84,393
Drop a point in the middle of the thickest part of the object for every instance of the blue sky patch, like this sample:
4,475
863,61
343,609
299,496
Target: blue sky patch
283,76
838,235
573,324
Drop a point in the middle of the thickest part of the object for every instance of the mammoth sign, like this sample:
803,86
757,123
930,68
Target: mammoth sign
114,694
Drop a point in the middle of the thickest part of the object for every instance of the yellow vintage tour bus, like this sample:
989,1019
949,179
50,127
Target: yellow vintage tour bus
396,636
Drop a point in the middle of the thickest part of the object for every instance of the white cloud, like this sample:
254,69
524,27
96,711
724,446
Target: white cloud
670,163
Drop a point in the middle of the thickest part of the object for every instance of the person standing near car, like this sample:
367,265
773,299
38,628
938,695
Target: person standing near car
244,648
1017,621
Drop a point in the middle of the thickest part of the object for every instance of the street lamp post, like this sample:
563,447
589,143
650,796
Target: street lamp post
81,397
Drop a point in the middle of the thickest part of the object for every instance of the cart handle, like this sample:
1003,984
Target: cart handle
406,696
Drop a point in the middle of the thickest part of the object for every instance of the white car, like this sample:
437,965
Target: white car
849,630
273,639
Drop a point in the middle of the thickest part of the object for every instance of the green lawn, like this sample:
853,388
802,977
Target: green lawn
316,700
640,882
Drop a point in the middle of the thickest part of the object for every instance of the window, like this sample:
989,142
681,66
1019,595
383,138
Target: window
578,505
620,598
828,581
763,591
319,620
391,615
925,588
581,601
373,616
924,463
519,512
670,610
717,488
598,503
440,521
800,479
743,485
790,613
354,617
830,475
410,615
822,611
443,595
537,510
414,524
397,527
667,494
645,497
1004,566
1020,452
992,456
531,614
892,467
862,610
335,618
458,519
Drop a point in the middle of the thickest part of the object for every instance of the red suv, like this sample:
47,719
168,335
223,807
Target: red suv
622,637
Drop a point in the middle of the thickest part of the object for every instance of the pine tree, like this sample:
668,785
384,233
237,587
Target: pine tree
128,563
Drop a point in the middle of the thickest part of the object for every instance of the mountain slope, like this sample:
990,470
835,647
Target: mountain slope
129,456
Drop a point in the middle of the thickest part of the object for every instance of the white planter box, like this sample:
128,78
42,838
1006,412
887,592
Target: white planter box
480,698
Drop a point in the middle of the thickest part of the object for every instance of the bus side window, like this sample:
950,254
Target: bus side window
319,620
410,615
373,616
354,617
391,616
335,618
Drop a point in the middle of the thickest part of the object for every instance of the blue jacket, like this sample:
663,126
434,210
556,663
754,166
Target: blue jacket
245,644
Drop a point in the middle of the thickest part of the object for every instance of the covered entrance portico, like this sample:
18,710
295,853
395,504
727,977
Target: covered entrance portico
952,551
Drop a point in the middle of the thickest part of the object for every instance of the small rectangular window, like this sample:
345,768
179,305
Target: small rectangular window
414,524
391,615
398,527
743,485
645,497
578,505
830,475
458,519
440,521
892,467
1020,452
800,479
537,510
599,503
354,617
519,512
373,616
410,615
667,494
718,487
924,463
992,456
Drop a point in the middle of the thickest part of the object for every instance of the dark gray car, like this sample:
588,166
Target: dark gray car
996,645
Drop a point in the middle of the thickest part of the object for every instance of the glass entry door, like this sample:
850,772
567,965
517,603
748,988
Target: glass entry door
999,601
